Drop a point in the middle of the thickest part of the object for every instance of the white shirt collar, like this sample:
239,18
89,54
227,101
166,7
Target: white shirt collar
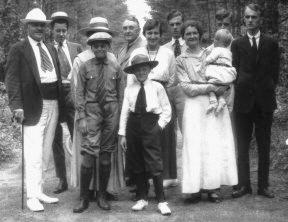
257,36
181,41
33,42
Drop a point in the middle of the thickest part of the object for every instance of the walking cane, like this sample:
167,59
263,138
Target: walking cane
23,171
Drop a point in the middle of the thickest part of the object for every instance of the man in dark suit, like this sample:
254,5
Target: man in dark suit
67,51
256,59
34,89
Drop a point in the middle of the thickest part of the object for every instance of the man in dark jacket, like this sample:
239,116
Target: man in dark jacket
67,51
34,89
256,59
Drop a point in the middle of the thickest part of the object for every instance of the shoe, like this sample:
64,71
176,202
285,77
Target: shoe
214,197
34,205
84,204
170,183
111,197
62,186
164,209
266,193
241,192
140,205
103,203
194,198
46,199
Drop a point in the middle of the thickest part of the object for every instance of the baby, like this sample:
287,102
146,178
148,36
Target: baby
219,70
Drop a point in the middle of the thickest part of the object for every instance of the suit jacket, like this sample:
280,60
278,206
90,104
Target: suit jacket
257,75
23,80
123,59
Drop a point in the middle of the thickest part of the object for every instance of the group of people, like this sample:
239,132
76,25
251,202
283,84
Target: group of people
131,102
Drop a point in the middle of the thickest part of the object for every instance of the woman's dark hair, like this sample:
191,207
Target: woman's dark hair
151,24
191,23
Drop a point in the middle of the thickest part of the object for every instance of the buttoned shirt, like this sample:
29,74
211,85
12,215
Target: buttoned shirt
257,38
45,76
87,82
156,100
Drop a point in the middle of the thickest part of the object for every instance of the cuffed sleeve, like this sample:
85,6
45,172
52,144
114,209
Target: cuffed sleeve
165,115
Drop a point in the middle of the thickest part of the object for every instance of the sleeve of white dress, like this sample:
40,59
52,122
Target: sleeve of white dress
172,69
190,89
165,116
124,115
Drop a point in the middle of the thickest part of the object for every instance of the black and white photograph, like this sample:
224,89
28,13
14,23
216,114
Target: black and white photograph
144,110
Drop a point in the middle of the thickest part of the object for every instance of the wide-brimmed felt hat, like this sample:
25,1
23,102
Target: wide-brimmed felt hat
35,15
97,24
99,36
61,16
139,60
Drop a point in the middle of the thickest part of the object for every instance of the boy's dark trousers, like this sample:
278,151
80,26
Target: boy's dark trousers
144,152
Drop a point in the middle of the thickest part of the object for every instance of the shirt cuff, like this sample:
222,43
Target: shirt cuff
121,132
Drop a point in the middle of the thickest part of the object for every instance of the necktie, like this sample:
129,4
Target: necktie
254,44
45,61
140,106
101,93
177,48
64,63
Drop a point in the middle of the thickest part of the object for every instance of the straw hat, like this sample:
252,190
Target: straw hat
97,24
61,15
138,60
99,36
35,15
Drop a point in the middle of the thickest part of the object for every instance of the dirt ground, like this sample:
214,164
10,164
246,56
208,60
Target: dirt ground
248,208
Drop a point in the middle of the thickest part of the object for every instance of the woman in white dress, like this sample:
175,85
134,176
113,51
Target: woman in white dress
208,145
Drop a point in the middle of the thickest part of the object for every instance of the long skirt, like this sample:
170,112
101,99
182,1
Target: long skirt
209,159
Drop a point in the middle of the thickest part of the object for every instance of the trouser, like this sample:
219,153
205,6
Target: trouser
144,152
38,141
58,150
99,142
102,124
261,122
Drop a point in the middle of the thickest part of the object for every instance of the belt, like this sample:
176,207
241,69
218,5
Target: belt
49,90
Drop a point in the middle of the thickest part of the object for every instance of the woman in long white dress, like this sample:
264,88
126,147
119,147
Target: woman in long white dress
208,145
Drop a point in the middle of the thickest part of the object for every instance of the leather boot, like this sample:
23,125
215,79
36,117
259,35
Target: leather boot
104,175
85,178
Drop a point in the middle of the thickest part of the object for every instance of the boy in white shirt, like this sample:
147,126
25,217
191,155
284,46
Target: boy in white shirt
145,112
219,69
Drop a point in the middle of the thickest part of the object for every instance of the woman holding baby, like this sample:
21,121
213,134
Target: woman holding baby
208,145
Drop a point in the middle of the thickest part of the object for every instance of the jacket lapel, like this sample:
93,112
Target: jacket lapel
30,57
71,51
